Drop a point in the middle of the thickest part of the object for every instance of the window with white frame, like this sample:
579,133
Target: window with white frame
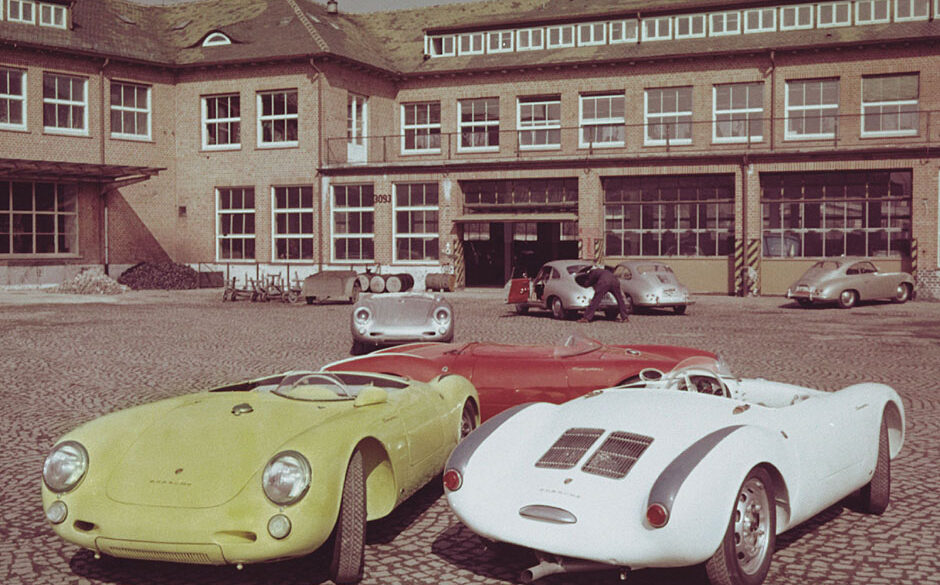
539,122
130,110
416,222
38,218
23,11
560,36
235,231
499,41
602,120
738,112
872,11
421,127
293,210
216,39
441,46
812,109
353,214
623,31
221,122
52,15
471,43
277,118
724,23
12,99
357,126
831,14
890,105
911,10
64,104
758,20
690,26
796,17
478,124
668,116
592,33
525,232
657,29
530,39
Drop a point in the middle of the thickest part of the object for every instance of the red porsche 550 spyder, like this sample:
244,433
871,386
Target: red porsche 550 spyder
506,375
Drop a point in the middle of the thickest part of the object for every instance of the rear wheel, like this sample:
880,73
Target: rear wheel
350,535
877,493
522,308
468,420
903,294
558,309
679,309
743,558
804,302
847,299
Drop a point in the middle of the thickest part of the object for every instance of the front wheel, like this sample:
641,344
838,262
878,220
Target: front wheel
743,558
903,294
679,309
847,299
877,493
522,308
558,309
356,290
804,302
350,534
468,420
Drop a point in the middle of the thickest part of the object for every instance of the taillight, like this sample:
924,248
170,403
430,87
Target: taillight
657,515
452,480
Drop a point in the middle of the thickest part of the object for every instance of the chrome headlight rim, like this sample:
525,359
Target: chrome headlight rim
362,315
442,315
79,456
296,465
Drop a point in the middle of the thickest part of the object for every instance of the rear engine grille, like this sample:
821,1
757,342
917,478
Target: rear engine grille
617,455
569,448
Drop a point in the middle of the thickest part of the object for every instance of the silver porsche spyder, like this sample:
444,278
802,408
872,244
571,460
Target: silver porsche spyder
393,318
847,280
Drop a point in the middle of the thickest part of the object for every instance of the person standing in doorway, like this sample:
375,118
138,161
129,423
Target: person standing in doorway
603,281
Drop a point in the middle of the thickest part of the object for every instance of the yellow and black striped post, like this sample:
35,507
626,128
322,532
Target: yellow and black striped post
458,264
580,248
914,257
753,262
598,255
738,267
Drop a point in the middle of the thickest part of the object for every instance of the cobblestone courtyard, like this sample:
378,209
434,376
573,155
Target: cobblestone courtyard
66,360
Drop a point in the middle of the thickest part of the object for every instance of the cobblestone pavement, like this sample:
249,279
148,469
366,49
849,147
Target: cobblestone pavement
65,360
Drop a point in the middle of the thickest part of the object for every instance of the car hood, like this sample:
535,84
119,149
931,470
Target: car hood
394,308
200,454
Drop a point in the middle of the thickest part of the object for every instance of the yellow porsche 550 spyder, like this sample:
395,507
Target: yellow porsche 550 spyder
257,471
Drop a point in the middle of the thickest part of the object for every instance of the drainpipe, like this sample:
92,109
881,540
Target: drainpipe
102,157
318,78
773,95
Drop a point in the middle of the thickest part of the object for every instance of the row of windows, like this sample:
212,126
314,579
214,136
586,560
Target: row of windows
683,26
31,12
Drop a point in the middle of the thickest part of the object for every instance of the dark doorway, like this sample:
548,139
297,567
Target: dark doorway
497,251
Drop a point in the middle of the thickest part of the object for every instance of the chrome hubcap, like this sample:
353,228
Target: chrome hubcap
466,423
848,297
752,526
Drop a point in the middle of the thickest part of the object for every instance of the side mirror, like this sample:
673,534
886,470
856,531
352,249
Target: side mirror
371,395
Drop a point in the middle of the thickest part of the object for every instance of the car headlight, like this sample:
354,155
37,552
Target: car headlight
65,466
362,315
286,478
442,315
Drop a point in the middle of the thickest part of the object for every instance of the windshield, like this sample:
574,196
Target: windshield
576,344
330,386
700,374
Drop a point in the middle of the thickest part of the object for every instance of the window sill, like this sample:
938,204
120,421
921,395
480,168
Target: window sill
221,148
73,134
130,138
20,129
278,146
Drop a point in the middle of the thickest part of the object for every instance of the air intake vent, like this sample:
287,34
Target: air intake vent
617,455
569,448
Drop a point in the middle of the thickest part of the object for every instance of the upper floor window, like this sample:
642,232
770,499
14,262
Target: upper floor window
38,218
441,46
796,17
221,122
539,123
623,31
725,23
471,43
12,99
216,39
293,223
130,110
52,15
812,108
235,227
499,41
911,10
758,20
657,29
831,14
416,222
602,120
64,104
872,11
478,124
561,36
668,116
421,127
530,39
592,33
690,26
277,118
890,105
739,111
353,222
23,11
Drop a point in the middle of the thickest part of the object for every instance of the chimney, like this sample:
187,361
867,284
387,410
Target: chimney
331,7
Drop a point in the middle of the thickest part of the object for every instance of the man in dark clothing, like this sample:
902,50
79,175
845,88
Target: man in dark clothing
603,281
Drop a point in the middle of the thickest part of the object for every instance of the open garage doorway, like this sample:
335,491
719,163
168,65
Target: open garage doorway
505,247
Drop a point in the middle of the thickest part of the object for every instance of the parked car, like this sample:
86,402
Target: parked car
647,283
506,375
256,471
694,466
554,289
331,285
395,318
847,281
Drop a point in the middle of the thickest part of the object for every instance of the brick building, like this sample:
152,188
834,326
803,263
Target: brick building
276,136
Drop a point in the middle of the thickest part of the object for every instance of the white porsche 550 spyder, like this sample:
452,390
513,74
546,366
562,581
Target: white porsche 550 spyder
693,466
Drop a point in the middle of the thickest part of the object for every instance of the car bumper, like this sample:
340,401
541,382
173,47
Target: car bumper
809,295
409,335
